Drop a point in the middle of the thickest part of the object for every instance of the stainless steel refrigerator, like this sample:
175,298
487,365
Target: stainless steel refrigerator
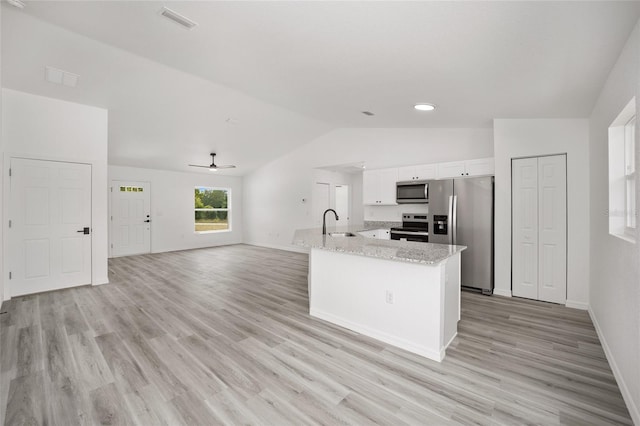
461,212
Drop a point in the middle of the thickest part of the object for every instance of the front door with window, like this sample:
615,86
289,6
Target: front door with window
130,218
50,231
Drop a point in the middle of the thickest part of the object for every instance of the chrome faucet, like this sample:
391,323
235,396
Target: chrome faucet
324,220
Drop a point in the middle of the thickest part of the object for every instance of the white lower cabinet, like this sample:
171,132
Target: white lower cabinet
379,187
380,234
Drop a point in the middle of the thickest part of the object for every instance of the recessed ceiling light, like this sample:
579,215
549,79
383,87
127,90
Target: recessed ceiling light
177,18
424,107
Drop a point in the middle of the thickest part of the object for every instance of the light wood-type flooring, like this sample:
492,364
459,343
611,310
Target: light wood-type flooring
223,336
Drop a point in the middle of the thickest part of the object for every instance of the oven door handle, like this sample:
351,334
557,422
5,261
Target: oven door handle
409,233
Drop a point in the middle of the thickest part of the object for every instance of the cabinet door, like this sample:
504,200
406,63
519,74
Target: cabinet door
480,167
552,233
384,234
388,180
406,173
427,171
371,187
451,170
525,227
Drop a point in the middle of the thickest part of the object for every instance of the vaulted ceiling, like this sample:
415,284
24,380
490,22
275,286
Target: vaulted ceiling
254,80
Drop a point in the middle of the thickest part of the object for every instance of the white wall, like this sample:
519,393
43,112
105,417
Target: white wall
516,138
1,185
273,206
49,129
615,276
172,208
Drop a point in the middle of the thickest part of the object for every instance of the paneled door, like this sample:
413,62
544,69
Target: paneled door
50,225
130,218
539,223
525,227
552,225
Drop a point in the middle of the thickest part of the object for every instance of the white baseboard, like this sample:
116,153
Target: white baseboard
624,390
296,249
436,355
501,292
576,305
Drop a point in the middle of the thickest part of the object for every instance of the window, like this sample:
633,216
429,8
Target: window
630,174
622,174
212,208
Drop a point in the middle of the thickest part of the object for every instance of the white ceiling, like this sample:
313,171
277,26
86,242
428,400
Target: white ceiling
290,71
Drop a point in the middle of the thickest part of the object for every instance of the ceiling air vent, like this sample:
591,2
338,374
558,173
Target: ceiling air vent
177,18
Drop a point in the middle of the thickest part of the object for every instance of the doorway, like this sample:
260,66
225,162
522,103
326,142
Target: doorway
50,225
130,218
341,194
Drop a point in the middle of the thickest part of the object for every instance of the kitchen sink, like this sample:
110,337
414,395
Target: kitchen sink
342,234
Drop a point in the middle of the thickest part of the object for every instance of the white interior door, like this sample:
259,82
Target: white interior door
50,231
130,218
552,218
524,186
321,202
342,204
539,221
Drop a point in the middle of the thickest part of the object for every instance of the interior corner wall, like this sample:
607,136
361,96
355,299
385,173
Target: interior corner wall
615,274
172,208
273,194
49,129
516,138
1,185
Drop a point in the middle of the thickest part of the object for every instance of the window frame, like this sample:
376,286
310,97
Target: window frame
630,177
228,210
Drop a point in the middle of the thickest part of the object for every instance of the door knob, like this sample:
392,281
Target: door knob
147,221
85,231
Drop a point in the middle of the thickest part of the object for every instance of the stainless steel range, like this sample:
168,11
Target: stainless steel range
415,227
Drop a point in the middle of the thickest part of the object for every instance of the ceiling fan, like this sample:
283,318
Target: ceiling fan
213,167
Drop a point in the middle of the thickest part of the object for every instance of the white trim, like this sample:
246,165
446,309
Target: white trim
292,248
501,292
101,281
383,337
624,390
576,305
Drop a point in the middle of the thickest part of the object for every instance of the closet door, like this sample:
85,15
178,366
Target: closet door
552,225
524,184
539,221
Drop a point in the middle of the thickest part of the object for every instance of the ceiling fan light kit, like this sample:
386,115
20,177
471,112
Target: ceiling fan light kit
213,167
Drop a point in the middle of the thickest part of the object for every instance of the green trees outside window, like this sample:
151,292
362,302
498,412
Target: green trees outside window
212,209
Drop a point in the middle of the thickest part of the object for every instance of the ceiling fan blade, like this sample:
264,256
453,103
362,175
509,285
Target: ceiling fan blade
229,166
197,165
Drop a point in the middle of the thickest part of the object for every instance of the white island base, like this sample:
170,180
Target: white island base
413,306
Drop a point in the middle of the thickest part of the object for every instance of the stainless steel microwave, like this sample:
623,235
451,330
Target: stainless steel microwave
412,192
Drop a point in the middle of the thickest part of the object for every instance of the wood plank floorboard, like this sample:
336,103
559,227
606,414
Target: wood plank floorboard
223,336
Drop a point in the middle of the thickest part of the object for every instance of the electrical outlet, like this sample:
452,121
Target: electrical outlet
389,297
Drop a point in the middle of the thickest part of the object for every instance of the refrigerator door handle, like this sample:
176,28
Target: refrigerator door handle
454,220
451,227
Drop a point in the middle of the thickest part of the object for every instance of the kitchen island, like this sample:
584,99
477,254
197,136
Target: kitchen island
403,293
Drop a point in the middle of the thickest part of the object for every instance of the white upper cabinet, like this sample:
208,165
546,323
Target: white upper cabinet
379,186
424,172
480,167
451,170
454,169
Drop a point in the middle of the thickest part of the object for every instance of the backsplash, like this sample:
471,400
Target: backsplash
392,213
376,224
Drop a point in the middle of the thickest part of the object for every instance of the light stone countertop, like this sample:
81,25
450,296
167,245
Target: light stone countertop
400,251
